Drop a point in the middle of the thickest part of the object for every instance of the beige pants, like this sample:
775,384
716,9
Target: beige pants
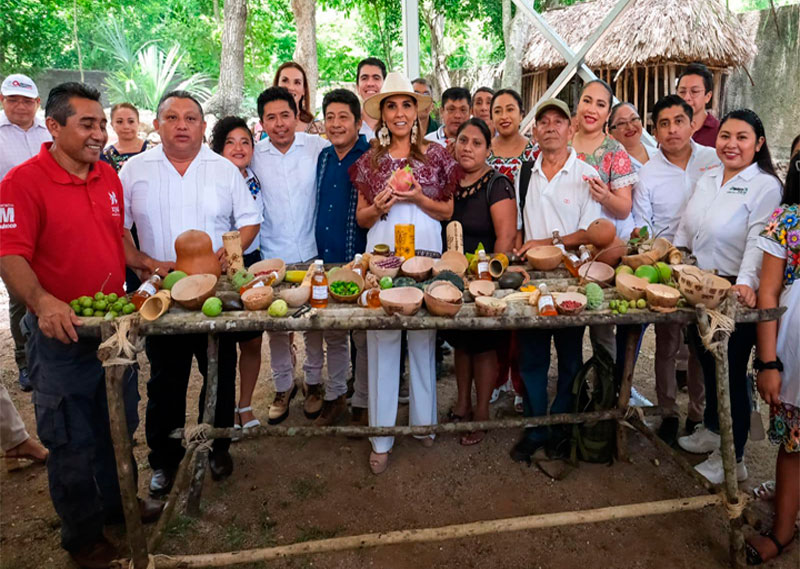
337,350
12,429
669,344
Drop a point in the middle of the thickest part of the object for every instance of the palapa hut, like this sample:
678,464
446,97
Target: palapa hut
643,52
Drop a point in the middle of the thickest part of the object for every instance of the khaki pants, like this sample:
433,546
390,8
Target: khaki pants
337,350
12,429
669,344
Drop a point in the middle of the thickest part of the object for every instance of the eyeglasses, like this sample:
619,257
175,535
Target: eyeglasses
625,124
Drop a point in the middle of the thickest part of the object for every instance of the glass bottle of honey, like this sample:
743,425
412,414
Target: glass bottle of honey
483,266
265,279
571,260
358,265
319,286
546,304
147,289
370,298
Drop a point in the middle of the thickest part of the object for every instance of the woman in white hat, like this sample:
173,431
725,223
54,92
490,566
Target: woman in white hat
400,143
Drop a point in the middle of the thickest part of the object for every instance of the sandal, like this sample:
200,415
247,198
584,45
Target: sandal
251,423
453,418
754,556
29,449
473,438
765,491
378,462
518,407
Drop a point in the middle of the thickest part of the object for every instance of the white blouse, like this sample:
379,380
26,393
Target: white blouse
722,222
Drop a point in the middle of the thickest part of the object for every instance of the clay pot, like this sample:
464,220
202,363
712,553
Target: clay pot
296,296
482,288
195,254
597,272
258,298
347,276
418,268
379,271
443,299
544,258
573,296
267,266
489,306
404,300
192,291
156,306
456,259
601,233
662,298
613,253
631,287
700,287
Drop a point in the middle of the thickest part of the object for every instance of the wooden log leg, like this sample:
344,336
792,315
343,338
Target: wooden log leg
182,478
631,342
210,406
122,453
731,485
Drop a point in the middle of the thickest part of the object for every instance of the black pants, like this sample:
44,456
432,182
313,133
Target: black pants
170,366
72,422
740,345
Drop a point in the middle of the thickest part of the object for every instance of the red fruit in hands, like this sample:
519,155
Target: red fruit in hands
401,179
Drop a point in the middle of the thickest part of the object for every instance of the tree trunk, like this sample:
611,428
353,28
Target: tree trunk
305,51
512,38
230,91
435,22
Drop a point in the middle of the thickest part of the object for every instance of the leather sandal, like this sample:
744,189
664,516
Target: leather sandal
754,556
473,438
378,462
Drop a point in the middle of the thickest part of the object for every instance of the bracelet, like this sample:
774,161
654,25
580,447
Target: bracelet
760,366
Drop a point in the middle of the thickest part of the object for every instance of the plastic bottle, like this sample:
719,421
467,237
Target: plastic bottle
319,286
370,298
546,305
483,266
571,260
147,289
259,281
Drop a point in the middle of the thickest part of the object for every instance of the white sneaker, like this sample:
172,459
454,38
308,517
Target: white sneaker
700,441
712,469
495,396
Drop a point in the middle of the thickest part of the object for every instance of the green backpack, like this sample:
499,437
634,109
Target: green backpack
594,389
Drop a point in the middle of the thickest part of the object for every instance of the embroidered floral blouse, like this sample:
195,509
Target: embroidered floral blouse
510,166
783,228
613,163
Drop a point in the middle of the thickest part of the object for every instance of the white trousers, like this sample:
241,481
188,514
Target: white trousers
361,373
337,348
12,429
384,380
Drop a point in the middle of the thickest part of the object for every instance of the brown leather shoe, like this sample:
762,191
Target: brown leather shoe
312,406
333,413
359,417
97,555
279,409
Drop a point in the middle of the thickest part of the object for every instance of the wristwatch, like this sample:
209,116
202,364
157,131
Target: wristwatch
777,364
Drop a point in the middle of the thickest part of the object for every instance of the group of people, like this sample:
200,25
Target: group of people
300,189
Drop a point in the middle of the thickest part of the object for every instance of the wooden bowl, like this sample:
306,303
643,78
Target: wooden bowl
596,272
404,300
444,265
573,296
482,288
268,265
381,272
258,298
631,287
156,306
443,299
296,296
192,291
347,276
490,306
544,258
662,298
701,287
418,268
457,260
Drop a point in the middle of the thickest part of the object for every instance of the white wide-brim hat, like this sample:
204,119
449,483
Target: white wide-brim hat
395,84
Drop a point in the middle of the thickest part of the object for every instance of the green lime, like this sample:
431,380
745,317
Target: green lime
129,308
615,311
631,304
623,308
612,304
99,296
112,298
623,269
82,299
641,303
648,272
87,312
175,276
278,308
385,282
212,306
99,313
86,302
664,272
77,309
117,306
100,305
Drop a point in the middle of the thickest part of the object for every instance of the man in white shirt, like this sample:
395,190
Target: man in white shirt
21,137
666,183
557,198
179,185
370,75
286,164
456,103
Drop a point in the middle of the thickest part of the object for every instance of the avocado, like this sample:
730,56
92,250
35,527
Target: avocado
510,280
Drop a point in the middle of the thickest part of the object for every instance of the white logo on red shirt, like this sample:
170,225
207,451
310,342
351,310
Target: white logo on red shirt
7,216
112,195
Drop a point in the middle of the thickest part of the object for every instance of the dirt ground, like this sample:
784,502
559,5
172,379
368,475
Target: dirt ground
288,490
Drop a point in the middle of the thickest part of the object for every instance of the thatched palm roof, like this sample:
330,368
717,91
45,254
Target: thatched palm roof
649,32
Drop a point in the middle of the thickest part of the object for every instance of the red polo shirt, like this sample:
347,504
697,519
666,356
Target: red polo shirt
706,135
68,229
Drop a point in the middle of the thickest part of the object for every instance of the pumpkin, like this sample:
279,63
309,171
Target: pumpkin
195,254
601,233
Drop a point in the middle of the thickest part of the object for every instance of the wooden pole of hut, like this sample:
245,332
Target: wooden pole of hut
646,100
671,67
665,76
717,91
636,87
625,89
655,84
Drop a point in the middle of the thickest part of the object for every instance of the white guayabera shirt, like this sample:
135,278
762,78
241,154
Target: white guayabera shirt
17,145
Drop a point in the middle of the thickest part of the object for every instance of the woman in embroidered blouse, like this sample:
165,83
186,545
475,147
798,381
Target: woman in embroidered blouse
509,148
780,272
721,226
398,143
292,77
125,122
232,139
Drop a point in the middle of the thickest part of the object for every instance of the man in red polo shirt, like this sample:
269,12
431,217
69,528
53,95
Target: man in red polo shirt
61,227
696,87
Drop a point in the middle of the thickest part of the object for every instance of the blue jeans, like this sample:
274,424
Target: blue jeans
534,359
72,421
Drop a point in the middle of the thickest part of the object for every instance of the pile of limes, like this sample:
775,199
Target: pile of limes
107,306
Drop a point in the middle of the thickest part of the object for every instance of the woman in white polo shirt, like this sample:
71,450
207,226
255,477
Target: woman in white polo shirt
721,225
